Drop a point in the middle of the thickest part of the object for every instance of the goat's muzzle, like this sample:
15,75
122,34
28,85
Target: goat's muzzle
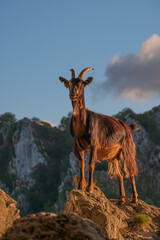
73,97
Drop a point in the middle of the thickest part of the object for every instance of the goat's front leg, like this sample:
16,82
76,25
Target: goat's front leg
91,166
80,156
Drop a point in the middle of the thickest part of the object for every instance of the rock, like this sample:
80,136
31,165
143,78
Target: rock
26,151
49,226
8,212
98,209
115,220
85,216
151,230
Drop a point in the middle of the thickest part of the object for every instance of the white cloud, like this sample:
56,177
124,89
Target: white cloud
150,48
136,76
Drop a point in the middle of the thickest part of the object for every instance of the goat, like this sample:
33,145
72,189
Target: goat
104,137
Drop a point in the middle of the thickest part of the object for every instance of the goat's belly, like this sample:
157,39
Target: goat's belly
110,152
83,144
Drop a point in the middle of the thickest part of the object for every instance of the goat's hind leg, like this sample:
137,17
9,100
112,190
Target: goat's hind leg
115,170
134,191
122,197
80,156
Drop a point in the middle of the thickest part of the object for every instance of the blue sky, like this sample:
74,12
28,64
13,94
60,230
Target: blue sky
41,40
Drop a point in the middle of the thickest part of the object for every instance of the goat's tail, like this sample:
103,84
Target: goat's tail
129,152
135,126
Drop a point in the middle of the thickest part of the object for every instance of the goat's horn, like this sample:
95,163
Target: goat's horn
81,75
73,73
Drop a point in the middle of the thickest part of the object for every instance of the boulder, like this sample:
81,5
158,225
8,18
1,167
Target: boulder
116,220
8,212
97,208
88,216
49,226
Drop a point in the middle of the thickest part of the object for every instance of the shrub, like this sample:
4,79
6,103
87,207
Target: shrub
140,220
7,119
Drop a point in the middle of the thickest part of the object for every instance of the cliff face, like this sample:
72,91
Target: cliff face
37,164
27,154
30,161
21,150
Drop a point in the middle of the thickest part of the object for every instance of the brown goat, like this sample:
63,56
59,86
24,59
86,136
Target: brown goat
104,137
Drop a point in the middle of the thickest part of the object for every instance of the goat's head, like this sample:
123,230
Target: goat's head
76,85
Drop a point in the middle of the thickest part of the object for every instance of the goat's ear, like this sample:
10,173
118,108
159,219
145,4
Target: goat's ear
87,81
65,81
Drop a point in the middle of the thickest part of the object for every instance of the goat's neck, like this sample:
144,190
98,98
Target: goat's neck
79,111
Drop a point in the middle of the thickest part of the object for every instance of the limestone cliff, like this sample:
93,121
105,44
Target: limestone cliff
27,154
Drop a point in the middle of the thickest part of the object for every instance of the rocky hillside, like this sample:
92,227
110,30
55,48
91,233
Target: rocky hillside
31,155
87,216
37,164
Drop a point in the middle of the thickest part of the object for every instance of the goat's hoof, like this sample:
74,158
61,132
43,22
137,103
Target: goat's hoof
81,187
121,201
90,188
81,184
134,200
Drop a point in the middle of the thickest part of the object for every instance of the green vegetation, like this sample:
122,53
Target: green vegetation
122,230
21,190
62,194
8,126
127,112
140,220
7,119
146,120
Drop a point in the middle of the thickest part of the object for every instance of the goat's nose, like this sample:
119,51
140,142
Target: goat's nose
74,90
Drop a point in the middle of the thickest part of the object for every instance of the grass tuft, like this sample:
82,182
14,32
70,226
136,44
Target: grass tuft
140,220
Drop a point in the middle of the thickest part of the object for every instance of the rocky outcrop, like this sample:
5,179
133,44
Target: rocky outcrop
139,231
50,226
8,212
85,216
97,208
115,220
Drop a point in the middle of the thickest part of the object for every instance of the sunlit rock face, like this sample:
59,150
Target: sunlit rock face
8,212
114,219
85,216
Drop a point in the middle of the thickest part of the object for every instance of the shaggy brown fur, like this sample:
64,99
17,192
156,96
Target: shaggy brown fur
104,137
